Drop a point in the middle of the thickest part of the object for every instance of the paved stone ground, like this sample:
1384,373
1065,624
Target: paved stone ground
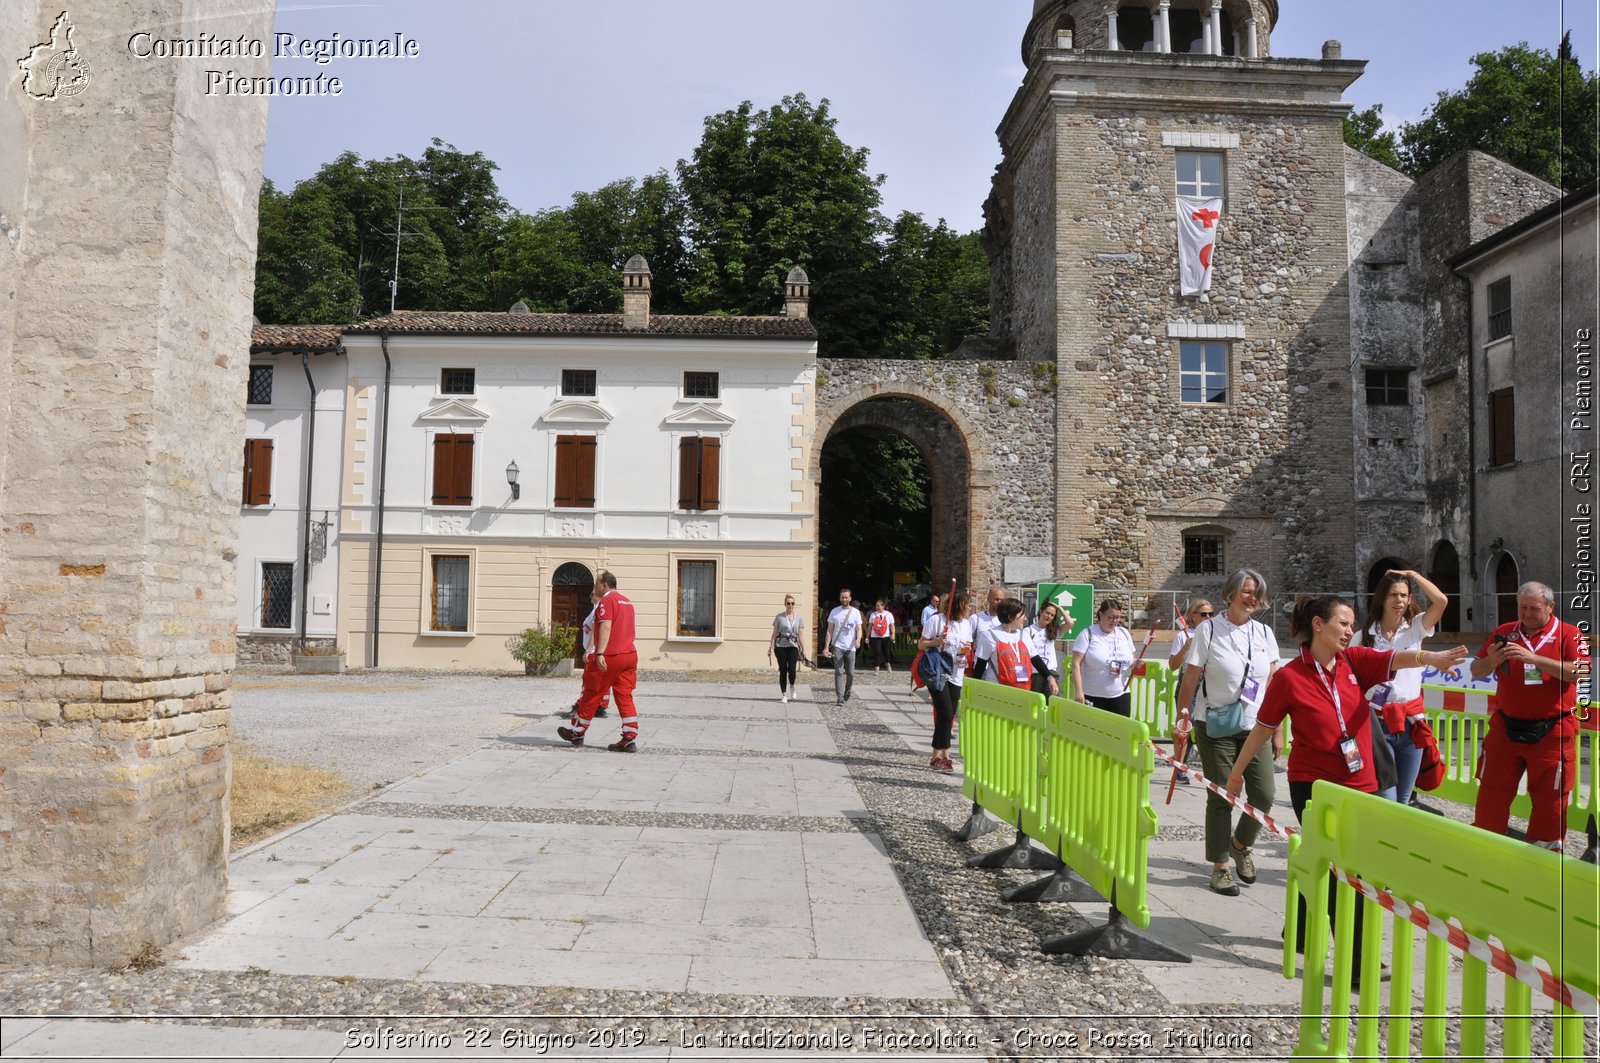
761,879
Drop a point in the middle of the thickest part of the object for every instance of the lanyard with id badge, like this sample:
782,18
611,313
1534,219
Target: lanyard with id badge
1531,675
1347,744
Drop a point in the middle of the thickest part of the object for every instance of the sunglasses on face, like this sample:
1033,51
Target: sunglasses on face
1205,614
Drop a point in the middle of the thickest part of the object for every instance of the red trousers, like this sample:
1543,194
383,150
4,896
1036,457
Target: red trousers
1552,768
618,678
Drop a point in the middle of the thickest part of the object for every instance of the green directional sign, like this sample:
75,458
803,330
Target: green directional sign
1075,599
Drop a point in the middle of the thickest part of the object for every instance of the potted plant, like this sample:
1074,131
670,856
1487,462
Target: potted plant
322,658
545,650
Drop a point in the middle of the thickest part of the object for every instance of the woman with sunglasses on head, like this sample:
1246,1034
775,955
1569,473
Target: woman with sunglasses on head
1397,621
1040,638
1231,657
788,630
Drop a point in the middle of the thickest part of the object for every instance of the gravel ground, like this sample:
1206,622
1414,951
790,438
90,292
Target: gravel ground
1013,1001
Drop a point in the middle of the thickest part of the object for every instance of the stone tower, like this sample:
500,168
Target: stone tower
1195,433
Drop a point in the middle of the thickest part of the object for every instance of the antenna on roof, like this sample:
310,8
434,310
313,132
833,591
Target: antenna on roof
399,232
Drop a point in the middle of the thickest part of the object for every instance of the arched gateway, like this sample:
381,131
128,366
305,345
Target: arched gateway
966,419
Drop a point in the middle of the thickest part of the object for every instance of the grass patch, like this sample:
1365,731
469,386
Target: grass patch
269,795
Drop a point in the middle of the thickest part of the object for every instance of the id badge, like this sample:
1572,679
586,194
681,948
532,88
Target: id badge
1531,676
1020,673
1248,692
1116,669
1352,755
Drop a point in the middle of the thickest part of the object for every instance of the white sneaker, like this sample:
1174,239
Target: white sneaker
784,699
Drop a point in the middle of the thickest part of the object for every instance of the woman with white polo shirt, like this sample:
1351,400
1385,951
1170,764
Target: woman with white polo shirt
1231,657
1102,661
1397,621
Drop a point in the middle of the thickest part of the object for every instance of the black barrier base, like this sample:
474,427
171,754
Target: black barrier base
1591,855
1422,806
1117,940
977,825
1063,885
1022,854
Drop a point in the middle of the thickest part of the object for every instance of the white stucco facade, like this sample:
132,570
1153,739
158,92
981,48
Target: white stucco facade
753,546
271,532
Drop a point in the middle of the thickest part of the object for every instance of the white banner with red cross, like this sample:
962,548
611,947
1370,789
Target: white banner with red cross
1197,240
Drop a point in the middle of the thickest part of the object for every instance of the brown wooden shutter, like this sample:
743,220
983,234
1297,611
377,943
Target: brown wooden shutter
1502,426
258,472
452,470
575,472
688,473
710,473
583,485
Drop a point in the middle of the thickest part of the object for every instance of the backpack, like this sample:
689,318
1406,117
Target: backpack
1012,665
933,668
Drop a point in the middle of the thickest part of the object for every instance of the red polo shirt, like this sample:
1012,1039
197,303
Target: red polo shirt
617,609
1551,697
1300,692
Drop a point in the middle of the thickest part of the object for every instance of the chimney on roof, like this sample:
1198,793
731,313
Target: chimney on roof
796,294
636,294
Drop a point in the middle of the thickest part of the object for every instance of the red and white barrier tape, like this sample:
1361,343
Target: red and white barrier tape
1237,802
1537,977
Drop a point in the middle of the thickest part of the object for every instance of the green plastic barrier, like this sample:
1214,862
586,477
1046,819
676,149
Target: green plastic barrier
1460,737
1099,819
1002,745
1152,696
1535,903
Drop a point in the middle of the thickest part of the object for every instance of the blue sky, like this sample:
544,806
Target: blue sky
566,96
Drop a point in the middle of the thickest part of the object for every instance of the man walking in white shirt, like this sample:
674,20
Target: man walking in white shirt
844,639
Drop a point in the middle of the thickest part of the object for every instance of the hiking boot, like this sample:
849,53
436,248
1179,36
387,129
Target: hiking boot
1244,864
625,746
575,737
598,713
1222,882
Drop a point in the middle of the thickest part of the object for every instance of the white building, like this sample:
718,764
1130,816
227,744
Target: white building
288,565
496,461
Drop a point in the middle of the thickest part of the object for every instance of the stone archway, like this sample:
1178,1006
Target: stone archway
1000,414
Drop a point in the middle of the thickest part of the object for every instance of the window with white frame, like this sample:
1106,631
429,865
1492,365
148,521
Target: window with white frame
451,592
1200,173
1203,371
697,599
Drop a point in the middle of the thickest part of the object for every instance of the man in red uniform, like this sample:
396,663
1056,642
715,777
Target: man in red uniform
1538,660
616,664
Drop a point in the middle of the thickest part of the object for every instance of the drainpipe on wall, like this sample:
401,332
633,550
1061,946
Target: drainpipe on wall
1472,470
305,515
383,483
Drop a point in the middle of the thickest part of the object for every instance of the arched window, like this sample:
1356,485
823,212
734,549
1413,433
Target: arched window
1505,589
1376,572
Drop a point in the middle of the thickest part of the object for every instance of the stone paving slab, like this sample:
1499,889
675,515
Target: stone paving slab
561,777
131,1038
598,907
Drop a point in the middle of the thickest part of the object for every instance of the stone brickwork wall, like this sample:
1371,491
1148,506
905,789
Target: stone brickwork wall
130,246
1002,416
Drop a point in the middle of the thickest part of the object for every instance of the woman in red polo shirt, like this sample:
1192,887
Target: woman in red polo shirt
1323,692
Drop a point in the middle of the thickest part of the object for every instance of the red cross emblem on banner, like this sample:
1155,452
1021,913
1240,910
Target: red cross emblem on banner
1207,218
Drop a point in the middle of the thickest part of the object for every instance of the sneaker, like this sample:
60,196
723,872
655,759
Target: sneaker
626,746
575,737
598,713
783,699
1244,864
570,714
838,701
1222,882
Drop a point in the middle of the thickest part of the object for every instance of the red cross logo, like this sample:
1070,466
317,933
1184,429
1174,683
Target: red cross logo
1206,218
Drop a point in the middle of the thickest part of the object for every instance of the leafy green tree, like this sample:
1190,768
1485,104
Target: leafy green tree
936,285
1523,105
303,273
770,189
876,513
1363,130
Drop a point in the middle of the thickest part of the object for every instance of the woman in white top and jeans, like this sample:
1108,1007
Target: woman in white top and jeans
1231,658
788,628
1397,621
951,636
1102,661
1040,637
